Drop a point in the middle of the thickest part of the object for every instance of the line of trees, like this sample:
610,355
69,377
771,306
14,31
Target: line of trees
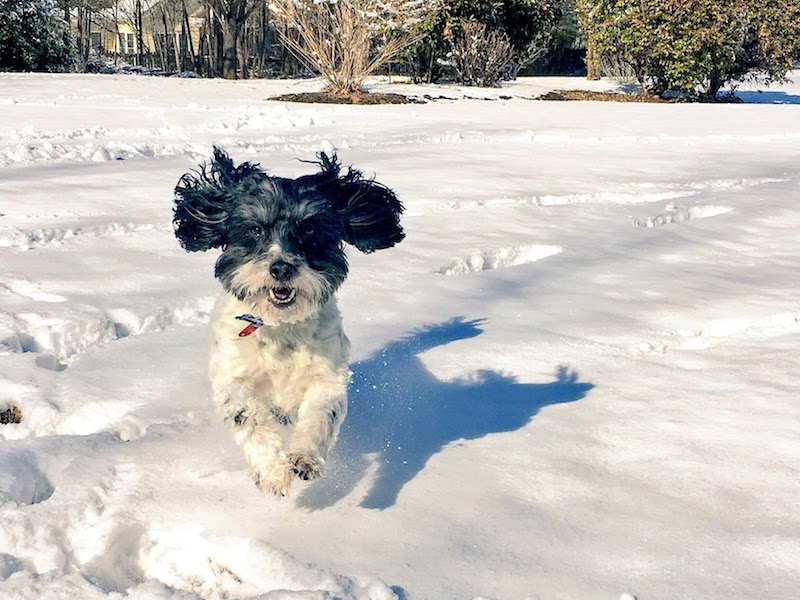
213,38
688,47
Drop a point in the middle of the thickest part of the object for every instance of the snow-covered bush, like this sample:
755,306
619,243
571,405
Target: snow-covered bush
347,40
34,37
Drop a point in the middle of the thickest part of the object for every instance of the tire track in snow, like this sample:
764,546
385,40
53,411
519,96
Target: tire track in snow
489,260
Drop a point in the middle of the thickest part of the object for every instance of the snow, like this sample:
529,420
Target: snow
576,377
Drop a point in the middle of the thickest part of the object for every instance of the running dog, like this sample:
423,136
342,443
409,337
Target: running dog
278,356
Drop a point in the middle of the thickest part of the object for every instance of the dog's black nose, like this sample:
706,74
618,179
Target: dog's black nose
281,270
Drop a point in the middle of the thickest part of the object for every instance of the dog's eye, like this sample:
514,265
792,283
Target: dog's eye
308,229
256,231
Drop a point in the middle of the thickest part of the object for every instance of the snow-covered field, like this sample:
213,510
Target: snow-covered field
577,378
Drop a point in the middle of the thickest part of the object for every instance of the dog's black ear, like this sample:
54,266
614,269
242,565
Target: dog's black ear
370,211
204,199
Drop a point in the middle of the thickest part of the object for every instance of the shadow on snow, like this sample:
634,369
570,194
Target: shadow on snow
400,414
767,97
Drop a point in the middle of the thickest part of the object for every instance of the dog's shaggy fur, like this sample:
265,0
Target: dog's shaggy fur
278,357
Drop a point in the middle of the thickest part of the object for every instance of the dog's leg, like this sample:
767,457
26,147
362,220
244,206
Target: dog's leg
319,419
260,438
262,445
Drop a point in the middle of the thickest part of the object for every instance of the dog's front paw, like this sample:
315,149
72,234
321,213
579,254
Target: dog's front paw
274,481
305,467
271,486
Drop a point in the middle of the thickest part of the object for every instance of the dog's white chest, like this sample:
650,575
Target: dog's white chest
278,364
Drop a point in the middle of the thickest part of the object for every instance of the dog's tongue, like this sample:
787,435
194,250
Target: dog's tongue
282,293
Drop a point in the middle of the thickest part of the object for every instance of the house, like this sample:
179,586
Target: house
112,32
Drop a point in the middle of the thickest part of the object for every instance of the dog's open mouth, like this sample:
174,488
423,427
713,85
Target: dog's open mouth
282,295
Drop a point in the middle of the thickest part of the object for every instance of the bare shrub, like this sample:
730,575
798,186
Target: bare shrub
346,41
480,56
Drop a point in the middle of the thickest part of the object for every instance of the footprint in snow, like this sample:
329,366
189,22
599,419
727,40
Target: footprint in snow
717,331
59,340
43,237
489,260
31,290
677,214
22,481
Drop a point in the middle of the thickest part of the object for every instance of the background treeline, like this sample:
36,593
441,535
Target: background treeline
684,47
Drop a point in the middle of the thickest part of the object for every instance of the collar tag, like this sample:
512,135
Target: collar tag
253,324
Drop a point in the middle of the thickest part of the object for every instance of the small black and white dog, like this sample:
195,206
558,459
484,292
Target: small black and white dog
278,356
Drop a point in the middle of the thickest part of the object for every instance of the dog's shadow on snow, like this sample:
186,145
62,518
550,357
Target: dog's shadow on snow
400,415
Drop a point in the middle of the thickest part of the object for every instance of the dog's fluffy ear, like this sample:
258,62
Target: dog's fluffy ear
370,211
204,199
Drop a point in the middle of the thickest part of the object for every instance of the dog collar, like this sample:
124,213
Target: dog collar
253,324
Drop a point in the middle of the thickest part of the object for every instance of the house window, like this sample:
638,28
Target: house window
97,40
126,43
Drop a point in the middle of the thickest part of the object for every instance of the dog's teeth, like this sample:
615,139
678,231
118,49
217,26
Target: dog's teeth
282,295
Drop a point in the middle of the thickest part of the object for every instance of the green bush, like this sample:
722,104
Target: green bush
34,37
694,46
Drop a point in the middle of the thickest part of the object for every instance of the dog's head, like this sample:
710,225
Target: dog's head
282,239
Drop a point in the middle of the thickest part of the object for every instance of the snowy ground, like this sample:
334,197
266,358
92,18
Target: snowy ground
577,377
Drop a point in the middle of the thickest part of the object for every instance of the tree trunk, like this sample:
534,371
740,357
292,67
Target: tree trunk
137,18
592,62
230,43
241,55
210,31
187,27
176,48
165,47
84,35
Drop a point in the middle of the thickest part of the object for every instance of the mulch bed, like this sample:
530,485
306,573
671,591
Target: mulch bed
563,95
359,98
566,95
368,98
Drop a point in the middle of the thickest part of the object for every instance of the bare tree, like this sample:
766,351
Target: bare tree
85,10
231,15
480,56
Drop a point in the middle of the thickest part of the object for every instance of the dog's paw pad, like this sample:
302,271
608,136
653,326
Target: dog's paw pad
304,467
281,418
